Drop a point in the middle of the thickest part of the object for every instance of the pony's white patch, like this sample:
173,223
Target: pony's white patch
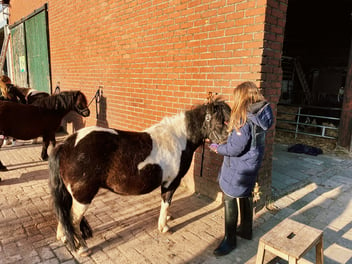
87,130
78,209
77,212
60,233
169,140
30,92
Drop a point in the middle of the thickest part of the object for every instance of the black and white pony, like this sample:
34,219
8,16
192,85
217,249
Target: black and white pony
127,163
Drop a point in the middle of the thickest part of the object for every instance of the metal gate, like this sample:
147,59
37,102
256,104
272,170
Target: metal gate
299,119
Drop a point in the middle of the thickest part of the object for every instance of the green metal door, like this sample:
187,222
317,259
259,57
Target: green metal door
19,56
37,52
30,51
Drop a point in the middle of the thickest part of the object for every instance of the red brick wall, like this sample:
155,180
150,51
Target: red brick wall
275,20
22,8
155,58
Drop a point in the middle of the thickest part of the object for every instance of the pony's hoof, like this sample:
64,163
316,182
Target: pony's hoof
2,167
62,239
84,252
165,229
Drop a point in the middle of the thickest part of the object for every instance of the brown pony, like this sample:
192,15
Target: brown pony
8,94
13,93
42,118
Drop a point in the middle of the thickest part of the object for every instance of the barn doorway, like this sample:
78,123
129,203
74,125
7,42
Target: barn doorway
315,63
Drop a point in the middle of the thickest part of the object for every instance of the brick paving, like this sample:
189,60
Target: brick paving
312,190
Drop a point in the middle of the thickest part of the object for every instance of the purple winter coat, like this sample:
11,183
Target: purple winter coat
243,153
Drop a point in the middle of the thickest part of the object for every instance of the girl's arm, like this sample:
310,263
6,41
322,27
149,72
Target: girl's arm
236,143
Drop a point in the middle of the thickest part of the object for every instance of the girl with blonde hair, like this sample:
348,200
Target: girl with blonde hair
251,117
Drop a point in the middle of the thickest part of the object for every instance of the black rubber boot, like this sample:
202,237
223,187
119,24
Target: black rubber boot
246,212
231,215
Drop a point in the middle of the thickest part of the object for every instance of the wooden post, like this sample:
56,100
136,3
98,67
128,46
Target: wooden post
345,127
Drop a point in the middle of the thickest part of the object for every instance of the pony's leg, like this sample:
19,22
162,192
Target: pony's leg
2,138
6,141
53,141
60,235
163,217
2,167
166,195
77,212
45,145
46,141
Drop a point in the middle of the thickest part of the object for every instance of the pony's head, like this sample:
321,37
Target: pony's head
4,81
81,105
217,115
12,93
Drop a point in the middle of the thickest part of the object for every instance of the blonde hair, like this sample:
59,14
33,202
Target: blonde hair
244,95
3,81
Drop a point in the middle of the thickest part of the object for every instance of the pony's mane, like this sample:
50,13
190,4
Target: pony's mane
216,101
171,119
186,122
21,88
176,121
219,100
62,101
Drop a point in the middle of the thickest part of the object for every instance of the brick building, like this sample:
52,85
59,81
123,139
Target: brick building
154,58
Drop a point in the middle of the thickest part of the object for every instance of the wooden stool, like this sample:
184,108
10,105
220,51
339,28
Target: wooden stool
290,240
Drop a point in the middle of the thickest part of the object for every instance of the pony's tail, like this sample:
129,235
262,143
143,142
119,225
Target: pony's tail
62,200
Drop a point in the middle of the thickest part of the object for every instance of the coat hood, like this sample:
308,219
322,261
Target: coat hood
261,114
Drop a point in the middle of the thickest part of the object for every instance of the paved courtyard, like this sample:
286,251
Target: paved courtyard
312,190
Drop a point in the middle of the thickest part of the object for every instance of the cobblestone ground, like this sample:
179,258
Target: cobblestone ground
125,227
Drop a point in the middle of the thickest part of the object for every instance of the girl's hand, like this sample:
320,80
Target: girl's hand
214,147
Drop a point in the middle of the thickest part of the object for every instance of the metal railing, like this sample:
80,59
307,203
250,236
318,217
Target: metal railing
299,122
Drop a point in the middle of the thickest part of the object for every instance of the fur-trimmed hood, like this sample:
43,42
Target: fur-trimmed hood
261,114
